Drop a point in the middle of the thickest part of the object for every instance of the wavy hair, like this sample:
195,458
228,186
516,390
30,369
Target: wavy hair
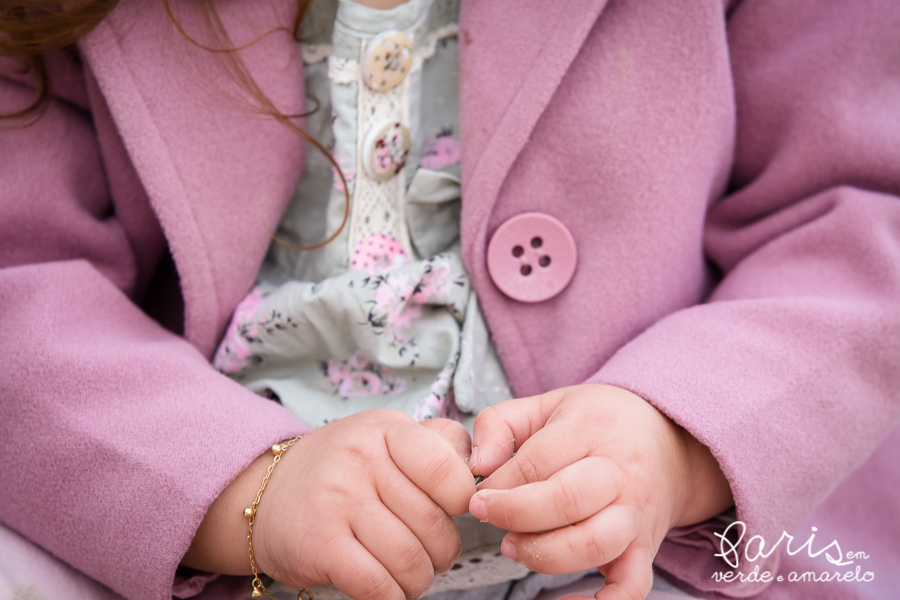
31,28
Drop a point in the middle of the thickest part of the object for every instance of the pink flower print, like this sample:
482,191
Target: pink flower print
377,251
441,151
360,384
234,350
436,283
336,371
358,377
358,361
395,299
439,403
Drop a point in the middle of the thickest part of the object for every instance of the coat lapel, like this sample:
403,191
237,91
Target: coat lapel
513,55
217,174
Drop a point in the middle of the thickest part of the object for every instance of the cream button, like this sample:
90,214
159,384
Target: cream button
387,60
532,257
385,149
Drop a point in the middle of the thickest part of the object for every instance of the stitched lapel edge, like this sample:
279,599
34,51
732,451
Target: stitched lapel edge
158,174
565,39
481,192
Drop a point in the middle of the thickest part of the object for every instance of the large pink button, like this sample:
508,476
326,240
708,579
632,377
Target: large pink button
532,257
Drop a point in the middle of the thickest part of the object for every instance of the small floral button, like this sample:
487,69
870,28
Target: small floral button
532,257
377,251
387,60
385,149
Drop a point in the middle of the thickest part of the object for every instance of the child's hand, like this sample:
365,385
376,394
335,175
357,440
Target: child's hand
598,478
363,502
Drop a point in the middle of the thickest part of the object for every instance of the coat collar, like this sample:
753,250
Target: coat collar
217,175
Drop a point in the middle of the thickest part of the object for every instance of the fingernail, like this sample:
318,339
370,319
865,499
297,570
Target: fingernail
473,458
478,508
508,548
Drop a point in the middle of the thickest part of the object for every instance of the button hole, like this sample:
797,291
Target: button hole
536,242
518,251
525,270
544,261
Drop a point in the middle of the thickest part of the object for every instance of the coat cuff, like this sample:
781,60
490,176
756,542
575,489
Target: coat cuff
785,429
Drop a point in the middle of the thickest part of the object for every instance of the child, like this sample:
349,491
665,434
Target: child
384,316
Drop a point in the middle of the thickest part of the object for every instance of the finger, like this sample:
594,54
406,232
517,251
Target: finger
595,541
360,576
501,429
391,542
454,432
548,451
432,526
432,464
570,495
629,577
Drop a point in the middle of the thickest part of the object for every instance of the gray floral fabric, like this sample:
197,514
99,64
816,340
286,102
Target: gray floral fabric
405,333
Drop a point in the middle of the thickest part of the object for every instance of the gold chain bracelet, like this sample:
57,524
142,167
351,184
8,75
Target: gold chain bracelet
258,588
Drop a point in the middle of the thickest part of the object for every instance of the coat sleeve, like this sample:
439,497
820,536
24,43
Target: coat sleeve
788,372
115,433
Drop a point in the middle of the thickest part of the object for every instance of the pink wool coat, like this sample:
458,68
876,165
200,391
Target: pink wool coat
730,174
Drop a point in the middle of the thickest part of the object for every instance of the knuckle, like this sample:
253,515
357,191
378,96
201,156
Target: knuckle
439,468
416,566
568,501
504,513
414,572
378,585
434,523
528,468
590,546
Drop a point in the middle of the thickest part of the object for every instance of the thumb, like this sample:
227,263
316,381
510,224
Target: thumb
501,429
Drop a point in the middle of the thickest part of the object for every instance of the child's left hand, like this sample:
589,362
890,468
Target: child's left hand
598,478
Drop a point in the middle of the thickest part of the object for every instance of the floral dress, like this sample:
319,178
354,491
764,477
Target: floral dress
383,316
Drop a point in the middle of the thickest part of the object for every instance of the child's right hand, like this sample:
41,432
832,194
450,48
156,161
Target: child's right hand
363,503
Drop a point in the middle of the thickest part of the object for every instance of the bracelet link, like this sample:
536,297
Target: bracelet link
258,588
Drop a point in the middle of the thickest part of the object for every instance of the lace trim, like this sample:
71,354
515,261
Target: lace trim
476,568
429,46
344,71
378,205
